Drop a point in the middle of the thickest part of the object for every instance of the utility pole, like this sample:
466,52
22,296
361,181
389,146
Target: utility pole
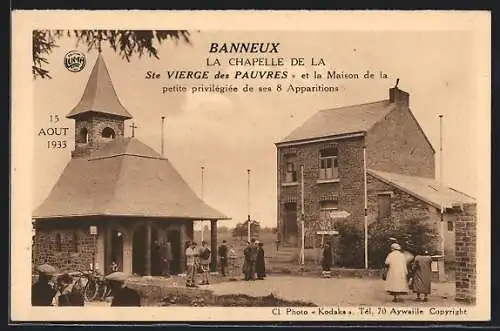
303,235
248,206
366,205
441,180
162,135
202,198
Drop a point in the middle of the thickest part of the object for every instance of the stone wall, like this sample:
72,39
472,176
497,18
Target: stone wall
94,124
465,241
72,256
347,190
397,144
405,207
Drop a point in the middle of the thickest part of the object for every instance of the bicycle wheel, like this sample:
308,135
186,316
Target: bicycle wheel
107,293
90,290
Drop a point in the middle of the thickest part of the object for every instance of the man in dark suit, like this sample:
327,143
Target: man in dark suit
223,258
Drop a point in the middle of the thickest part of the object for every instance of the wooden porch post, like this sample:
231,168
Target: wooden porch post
148,249
213,244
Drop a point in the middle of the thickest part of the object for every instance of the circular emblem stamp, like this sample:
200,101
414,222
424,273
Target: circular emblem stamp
75,61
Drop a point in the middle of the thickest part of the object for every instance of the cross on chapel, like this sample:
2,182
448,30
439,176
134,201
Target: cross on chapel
133,126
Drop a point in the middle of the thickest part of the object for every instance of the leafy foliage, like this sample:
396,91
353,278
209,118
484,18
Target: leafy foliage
241,229
125,42
349,249
415,235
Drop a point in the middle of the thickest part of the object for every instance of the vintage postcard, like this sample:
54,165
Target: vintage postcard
236,166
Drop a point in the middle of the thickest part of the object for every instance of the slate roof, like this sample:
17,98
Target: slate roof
124,178
339,121
425,189
100,95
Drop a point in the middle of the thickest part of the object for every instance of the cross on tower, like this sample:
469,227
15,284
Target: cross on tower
133,129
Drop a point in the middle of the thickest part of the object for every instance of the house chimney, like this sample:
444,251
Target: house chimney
398,96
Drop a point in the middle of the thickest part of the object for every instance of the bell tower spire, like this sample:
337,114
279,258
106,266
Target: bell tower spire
99,116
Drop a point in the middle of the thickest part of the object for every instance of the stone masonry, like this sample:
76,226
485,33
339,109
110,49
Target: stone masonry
94,124
398,144
348,190
71,256
465,241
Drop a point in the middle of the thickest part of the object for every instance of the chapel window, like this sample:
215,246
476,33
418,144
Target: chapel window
328,163
84,136
450,225
108,133
58,242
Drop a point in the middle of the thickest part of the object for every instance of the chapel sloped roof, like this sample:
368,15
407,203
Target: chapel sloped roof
99,94
124,178
340,121
424,189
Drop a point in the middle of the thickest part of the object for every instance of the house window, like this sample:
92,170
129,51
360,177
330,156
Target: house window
291,169
450,225
326,207
58,242
75,242
328,163
384,206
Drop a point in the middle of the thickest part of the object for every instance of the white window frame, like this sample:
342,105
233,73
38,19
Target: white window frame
328,172
291,160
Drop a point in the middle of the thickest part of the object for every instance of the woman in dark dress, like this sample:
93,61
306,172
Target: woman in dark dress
327,260
70,295
260,265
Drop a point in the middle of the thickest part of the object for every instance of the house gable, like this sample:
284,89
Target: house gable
397,143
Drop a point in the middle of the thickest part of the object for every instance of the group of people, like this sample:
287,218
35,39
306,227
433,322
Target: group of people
254,264
404,272
199,259
62,290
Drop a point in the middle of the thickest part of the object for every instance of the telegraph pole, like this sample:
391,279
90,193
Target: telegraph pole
248,205
162,136
202,198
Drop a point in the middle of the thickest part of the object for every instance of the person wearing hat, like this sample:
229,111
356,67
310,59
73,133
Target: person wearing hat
422,273
247,262
123,296
42,293
191,264
222,252
396,283
204,256
69,295
260,263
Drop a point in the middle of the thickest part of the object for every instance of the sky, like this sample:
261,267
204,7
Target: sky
228,134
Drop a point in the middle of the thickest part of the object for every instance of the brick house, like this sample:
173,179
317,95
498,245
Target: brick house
116,196
377,150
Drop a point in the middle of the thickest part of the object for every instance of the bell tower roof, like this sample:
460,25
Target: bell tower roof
99,95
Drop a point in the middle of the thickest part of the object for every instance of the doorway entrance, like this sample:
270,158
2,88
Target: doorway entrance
290,227
117,249
139,251
174,237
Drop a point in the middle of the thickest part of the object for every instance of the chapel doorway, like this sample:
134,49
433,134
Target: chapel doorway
174,237
140,251
290,227
117,249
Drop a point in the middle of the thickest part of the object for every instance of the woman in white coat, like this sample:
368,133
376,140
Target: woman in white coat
396,282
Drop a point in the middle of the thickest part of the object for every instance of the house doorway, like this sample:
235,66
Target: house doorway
174,237
117,249
291,228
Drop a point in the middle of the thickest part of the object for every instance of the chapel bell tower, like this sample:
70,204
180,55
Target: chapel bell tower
99,116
